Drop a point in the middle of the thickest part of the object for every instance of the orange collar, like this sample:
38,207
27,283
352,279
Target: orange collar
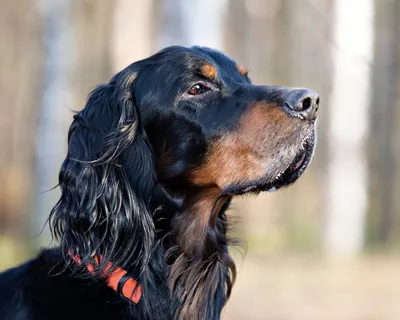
119,280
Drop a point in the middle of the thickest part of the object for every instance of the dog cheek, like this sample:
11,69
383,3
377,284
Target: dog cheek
229,161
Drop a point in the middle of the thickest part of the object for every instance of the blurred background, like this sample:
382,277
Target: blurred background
326,248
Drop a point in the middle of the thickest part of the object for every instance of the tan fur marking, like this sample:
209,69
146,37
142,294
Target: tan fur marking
209,71
243,70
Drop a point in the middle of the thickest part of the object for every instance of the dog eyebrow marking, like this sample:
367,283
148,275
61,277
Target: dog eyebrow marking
242,70
209,71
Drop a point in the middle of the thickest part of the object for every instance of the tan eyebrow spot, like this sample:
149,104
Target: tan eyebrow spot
209,71
243,70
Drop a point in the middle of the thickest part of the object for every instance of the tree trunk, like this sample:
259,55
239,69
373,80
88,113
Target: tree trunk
56,98
77,59
132,37
184,24
348,127
383,205
21,57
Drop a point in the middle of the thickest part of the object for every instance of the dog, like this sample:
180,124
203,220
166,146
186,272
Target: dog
153,161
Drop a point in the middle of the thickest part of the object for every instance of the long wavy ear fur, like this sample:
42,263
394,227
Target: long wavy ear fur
106,182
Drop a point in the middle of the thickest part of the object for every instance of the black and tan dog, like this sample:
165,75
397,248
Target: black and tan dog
153,161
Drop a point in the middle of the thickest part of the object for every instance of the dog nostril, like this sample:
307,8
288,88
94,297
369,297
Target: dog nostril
306,104
303,102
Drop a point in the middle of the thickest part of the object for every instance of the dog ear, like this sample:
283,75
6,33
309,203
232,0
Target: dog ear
106,182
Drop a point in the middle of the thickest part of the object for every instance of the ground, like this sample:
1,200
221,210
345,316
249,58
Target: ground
311,289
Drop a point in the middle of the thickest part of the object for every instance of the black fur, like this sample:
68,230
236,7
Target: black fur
130,197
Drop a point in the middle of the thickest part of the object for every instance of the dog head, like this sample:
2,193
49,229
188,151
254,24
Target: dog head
211,127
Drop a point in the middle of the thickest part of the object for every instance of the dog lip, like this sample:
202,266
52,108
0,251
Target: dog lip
297,166
300,162
272,189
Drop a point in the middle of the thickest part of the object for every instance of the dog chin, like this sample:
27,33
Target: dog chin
287,176
297,167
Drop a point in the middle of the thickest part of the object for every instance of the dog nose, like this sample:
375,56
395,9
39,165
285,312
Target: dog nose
302,103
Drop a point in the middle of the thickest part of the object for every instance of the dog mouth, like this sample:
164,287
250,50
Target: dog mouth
286,177
296,168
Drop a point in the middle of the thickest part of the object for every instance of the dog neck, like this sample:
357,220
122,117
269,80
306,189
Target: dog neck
201,272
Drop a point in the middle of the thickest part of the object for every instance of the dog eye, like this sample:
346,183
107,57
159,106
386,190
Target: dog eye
198,88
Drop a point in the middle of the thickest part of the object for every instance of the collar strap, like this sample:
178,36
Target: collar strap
119,280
